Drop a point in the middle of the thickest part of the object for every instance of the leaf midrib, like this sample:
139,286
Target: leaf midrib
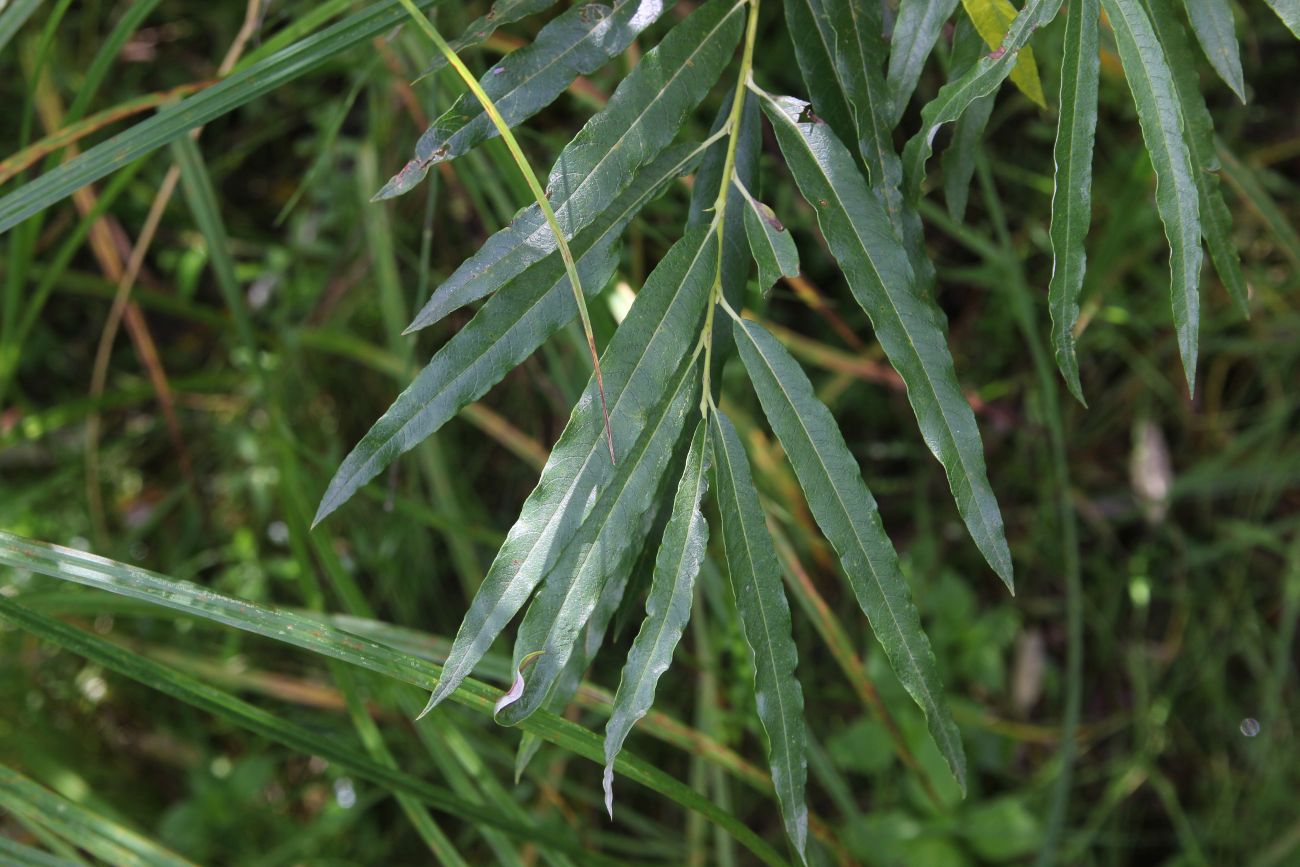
687,65
762,608
933,709
947,423
456,672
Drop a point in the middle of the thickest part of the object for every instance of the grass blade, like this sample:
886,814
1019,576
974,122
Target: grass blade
843,507
13,17
765,618
239,89
1214,28
1160,114
221,704
984,78
85,829
668,605
642,117
1076,133
509,327
657,334
317,636
26,856
773,247
578,42
908,323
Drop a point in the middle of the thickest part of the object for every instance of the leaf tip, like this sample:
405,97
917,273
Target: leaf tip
433,701
608,783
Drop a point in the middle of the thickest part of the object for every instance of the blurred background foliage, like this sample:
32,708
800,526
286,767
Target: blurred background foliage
1188,526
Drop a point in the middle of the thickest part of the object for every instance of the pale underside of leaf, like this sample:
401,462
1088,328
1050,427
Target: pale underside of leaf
657,333
1072,196
765,620
846,512
1160,115
510,326
908,324
640,120
981,80
668,605
1289,12
522,83
1214,28
602,547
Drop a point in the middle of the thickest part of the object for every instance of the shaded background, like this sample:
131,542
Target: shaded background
1186,509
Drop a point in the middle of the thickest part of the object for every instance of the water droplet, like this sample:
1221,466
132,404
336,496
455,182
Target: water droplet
345,794
1250,727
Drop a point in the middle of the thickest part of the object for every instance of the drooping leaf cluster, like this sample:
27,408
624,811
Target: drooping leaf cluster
567,560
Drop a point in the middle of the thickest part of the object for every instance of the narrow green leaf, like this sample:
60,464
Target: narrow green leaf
1076,132
578,42
509,327
773,247
503,12
642,117
1289,12
319,637
859,52
13,17
955,97
239,89
27,856
846,513
602,547
991,19
765,619
908,324
814,36
657,334
1198,131
959,158
85,829
1160,114
916,30
1214,28
668,605
185,688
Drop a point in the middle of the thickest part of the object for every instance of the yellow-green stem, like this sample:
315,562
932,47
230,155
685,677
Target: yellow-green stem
724,190
570,267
